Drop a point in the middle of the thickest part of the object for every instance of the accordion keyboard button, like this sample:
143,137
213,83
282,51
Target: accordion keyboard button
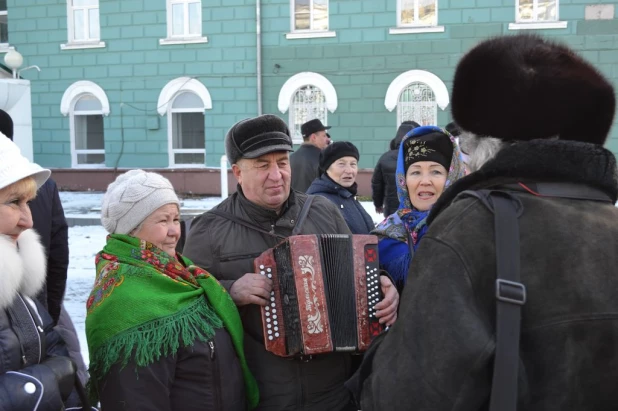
268,325
268,270
267,313
274,310
270,331
275,316
276,334
261,267
270,337
262,272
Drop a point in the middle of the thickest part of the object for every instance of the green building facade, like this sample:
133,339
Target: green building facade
157,83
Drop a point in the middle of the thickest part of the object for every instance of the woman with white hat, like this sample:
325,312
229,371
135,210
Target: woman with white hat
163,334
35,371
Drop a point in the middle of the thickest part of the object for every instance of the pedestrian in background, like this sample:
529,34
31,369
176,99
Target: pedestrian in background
306,160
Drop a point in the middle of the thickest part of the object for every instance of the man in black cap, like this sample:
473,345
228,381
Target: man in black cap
305,161
225,242
383,184
535,116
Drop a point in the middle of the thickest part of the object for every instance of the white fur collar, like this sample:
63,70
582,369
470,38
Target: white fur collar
23,268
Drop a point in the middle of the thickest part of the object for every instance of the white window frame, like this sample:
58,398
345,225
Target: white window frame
4,47
308,33
414,28
186,37
416,12
67,105
537,24
164,107
88,43
399,84
307,78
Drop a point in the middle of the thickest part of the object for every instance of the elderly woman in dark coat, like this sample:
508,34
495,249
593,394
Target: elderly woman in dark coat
163,334
337,182
35,371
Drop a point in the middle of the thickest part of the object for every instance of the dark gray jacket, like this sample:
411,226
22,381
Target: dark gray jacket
439,354
204,376
305,164
227,250
383,184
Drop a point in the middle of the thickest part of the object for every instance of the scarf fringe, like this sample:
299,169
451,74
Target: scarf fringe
148,342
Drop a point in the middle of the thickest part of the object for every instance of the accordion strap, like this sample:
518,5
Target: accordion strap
302,216
245,223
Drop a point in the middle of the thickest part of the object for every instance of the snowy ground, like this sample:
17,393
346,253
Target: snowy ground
86,241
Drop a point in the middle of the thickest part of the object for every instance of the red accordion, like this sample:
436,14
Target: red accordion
325,288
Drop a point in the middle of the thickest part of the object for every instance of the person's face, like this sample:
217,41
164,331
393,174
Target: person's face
425,181
265,180
320,139
15,216
343,171
161,228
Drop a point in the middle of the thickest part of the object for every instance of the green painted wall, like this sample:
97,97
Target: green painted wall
361,61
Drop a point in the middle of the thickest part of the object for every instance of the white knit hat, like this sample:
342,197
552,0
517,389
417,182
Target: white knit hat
14,166
132,197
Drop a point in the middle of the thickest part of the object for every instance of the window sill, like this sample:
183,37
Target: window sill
85,45
415,30
182,40
310,35
187,166
4,47
536,25
89,166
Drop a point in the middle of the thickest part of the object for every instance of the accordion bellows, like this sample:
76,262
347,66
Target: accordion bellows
325,288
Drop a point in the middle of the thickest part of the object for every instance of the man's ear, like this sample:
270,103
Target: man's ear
237,173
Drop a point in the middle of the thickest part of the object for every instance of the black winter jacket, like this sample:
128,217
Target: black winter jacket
358,220
44,379
227,250
439,354
383,183
305,164
49,222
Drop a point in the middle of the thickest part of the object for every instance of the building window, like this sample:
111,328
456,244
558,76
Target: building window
532,11
83,21
184,18
309,15
412,13
4,25
417,102
88,136
308,103
187,134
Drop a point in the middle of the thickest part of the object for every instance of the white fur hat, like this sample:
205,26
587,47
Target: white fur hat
132,197
14,166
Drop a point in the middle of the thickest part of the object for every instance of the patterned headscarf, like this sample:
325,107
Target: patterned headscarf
407,219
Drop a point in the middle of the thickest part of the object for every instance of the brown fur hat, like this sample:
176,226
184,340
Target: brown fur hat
525,87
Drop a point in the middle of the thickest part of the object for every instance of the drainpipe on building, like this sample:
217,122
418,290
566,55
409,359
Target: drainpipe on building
258,31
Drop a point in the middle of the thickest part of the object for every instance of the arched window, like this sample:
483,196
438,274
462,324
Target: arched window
307,96
417,94
417,102
187,134
86,104
184,100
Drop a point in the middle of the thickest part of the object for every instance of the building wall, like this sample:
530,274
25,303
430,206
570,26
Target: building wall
360,62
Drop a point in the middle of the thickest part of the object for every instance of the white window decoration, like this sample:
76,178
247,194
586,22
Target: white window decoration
83,26
307,96
417,94
411,13
532,11
309,15
4,25
184,22
86,103
184,100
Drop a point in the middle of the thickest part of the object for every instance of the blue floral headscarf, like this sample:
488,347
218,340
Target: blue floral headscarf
407,219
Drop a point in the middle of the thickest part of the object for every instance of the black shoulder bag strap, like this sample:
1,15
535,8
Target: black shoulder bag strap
244,223
28,329
302,216
510,297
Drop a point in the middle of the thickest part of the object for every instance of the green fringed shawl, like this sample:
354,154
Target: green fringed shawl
145,304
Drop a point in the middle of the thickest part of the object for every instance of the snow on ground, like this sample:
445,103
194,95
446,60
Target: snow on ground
86,241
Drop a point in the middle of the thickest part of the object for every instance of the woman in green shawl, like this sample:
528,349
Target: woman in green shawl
162,333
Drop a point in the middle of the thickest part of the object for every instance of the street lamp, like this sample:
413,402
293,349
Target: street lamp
13,60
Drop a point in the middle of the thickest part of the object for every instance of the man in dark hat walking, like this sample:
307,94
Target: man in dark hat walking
305,161
383,184
258,149
520,101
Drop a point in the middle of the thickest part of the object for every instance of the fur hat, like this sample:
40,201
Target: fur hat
253,137
334,152
434,146
525,87
132,197
15,167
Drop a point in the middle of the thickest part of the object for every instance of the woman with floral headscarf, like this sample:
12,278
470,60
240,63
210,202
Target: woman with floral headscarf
429,161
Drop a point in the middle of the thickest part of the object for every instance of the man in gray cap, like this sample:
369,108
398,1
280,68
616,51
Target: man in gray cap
255,218
306,159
